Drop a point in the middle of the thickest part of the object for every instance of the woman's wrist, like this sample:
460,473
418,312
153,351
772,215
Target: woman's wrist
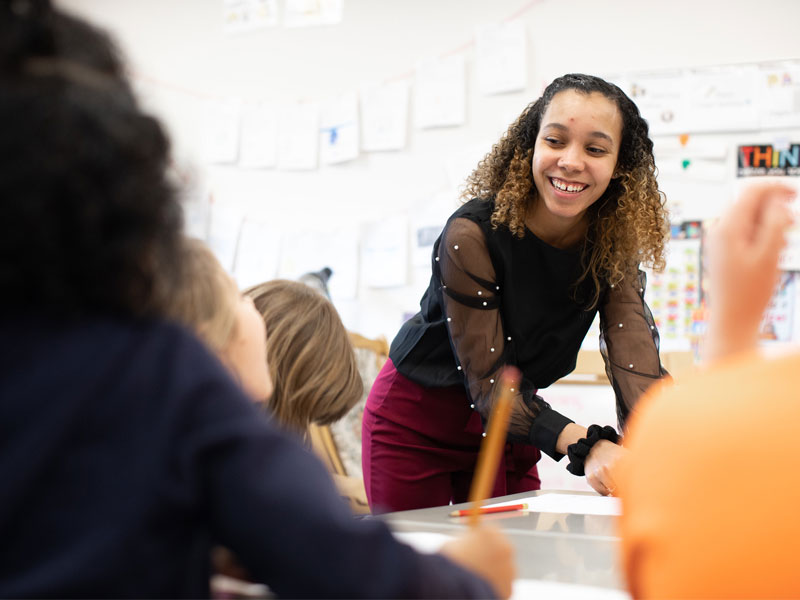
579,452
568,436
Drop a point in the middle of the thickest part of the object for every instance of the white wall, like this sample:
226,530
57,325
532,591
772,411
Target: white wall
179,55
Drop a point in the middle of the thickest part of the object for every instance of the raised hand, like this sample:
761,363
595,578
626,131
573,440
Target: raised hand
743,267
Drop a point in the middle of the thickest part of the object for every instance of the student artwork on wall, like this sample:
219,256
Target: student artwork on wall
440,92
259,140
722,99
223,233
311,13
779,95
338,134
427,221
460,163
248,15
298,136
221,131
500,58
384,111
384,253
660,97
309,251
257,253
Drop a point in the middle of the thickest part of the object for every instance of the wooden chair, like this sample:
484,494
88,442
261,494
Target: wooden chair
339,444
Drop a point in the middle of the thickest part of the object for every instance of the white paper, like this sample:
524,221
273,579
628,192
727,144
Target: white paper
196,204
257,254
247,15
661,98
693,147
259,144
722,99
223,234
427,221
298,135
461,162
338,133
500,55
440,92
221,131
535,589
384,253
384,116
423,541
310,251
578,504
779,96
693,169
311,13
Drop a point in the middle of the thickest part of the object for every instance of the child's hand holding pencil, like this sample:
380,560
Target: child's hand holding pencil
483,549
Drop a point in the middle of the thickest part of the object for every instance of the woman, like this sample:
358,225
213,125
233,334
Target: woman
563,210
128,451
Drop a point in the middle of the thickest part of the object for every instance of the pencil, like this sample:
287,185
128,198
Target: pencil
489,455
487,510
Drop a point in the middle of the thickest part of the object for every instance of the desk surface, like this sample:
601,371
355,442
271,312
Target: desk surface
566,548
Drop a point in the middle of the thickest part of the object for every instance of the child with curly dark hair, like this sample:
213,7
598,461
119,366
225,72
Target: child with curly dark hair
559,216
128,451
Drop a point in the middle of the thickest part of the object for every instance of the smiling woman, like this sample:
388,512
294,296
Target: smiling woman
558,217
574,158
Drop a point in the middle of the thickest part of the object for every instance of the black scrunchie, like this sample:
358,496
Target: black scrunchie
578,451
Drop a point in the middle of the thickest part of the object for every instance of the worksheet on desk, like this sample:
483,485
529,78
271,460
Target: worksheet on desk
532,589
578,504
524,589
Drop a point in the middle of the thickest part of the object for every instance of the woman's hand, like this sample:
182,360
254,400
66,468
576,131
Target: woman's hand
599,466
488,553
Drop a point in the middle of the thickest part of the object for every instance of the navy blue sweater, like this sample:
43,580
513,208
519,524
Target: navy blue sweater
126,452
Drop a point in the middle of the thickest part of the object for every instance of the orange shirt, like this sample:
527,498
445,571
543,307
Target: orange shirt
711,488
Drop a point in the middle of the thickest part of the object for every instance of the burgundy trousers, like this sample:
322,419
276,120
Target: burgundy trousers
420,446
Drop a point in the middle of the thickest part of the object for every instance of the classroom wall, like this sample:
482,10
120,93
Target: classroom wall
181,59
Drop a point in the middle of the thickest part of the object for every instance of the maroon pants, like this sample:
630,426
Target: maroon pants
420,446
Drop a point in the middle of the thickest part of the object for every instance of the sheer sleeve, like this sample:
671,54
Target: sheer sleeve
472,299
629,343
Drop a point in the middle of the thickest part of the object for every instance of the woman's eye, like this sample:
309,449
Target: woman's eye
552,141
596,150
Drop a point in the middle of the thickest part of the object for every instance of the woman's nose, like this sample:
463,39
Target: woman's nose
571,159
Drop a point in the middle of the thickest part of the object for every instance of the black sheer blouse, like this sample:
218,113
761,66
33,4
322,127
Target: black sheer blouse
495,299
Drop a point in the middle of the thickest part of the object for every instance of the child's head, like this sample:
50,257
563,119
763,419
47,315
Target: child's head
89,223
310,357
210,304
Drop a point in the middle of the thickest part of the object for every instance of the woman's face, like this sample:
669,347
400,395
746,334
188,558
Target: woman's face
246,353
574,156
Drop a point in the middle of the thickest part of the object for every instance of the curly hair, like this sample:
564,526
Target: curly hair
310,357
628,223
90,221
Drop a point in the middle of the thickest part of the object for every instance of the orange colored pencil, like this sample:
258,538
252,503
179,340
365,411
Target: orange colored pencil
488,510
493,443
